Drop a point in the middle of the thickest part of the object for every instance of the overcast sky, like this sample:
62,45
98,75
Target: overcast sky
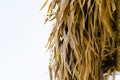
23,36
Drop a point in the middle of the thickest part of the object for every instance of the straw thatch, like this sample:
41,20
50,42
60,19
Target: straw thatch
85,39
118,33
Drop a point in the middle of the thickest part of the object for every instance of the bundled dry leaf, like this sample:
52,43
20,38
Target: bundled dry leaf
82,40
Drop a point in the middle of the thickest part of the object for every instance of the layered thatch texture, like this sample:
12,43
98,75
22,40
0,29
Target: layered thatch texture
118,34
83,40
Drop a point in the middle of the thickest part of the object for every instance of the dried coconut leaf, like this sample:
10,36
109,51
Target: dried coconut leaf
89,29
44,4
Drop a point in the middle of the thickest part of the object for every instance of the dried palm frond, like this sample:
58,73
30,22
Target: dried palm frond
83,39
118,34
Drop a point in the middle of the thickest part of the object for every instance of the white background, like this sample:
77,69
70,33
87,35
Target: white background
23,36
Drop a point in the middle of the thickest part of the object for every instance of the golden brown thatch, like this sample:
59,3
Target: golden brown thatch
118,34
83,39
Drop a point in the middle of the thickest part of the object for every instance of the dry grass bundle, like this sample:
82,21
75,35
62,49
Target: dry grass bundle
83,39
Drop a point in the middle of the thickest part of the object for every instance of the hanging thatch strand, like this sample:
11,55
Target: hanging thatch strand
82,39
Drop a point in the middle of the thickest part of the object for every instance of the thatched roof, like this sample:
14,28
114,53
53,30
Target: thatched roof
83,39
